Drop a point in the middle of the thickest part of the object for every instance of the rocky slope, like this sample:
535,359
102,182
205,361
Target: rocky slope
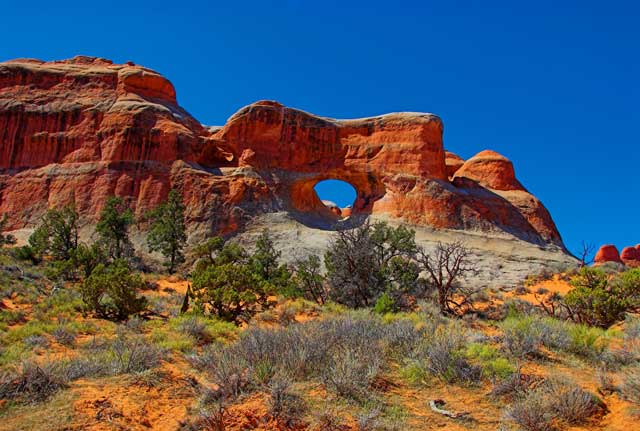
79,130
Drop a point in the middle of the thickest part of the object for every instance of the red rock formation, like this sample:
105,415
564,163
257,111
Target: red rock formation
630,256
453,163
607,253
490,170
80,130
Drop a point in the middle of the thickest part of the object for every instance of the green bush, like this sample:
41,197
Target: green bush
365,262
598,300
233,284
111,291
385,304
232,292
494,365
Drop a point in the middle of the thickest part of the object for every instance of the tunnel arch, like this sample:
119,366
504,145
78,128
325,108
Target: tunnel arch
306,202
337,195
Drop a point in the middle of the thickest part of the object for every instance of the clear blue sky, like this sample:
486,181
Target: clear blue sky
553,85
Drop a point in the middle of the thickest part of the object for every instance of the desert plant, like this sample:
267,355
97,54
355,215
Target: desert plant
58,233
556,399
631,384
167,231
522,336
365,262
265,263
5,239
283,403
64,336
113,228
385,304
32,382
445,267
351,374
309,280
111,291
132,354
231,291
532,413
596,301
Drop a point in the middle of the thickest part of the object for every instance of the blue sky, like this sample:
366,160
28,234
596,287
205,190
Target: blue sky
554,86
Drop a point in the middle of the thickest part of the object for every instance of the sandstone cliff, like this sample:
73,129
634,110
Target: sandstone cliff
82,129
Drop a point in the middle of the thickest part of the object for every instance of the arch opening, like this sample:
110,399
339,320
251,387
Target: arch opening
337,195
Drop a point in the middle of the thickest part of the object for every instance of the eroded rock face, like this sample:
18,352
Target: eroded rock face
82,129
453,162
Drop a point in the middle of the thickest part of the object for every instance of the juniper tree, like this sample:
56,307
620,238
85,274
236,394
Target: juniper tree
167,233
57,234
113,228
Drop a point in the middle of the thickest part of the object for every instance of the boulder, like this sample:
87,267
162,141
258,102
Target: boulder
491,170
607,253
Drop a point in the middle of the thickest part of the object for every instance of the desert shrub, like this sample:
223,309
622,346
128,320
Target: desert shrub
196,328
385,304
587,342
126,353
494,365
228,371
442,354
233,284
211,418
631,384
345,353
522,336
369,420
328,419
632,335
135,324
12,317
532,413
515,385
283,403
111,291
31,328
32,382
595,300
85,366
65,303
555,400
130,354
172,340
36,341
570,402
64,335
351,373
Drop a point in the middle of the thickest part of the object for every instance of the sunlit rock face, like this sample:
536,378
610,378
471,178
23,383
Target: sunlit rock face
79,130
607,253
